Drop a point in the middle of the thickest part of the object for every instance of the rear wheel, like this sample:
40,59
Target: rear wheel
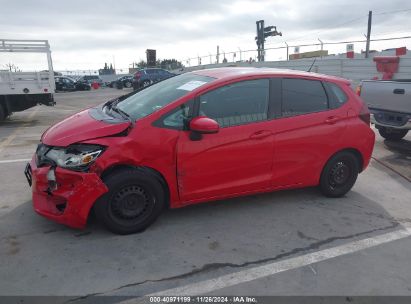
128,84
145,83
134,201
339,174
392,134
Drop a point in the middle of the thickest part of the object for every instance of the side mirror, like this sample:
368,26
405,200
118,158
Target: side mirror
204,125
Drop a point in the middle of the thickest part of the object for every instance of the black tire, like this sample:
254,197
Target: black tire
134,201
392,134
145,83
128,84
339,174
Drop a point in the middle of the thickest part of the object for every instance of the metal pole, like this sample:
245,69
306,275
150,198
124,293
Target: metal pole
287,50
218,54
240,54
262,41
367,48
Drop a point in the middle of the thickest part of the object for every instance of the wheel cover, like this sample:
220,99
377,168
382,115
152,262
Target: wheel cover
339,175
131,205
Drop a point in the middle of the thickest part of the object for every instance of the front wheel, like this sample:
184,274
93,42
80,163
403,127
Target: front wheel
134,201
146,83
128,84
339,174
392,134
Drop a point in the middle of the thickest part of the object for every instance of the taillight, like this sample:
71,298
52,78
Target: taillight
365,114
137,75
358,90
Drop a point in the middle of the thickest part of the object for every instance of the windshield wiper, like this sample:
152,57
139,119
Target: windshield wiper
122,113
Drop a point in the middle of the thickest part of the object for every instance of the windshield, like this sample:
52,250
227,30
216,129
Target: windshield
155,97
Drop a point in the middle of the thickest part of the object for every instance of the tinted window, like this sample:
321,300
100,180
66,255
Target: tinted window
336,95
236,104
302,96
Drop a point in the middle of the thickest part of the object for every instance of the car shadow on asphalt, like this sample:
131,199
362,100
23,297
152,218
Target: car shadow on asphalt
303,213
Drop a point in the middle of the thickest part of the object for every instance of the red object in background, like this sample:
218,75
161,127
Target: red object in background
350,54
388,65
255,157
95,85
401,51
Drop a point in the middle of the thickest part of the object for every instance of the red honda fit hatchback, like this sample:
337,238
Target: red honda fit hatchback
200,136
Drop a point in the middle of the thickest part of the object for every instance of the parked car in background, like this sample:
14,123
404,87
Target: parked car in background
66,84
148,76
389,102
123,81
91,79
201,136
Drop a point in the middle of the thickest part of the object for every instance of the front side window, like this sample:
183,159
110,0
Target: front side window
302,96
158,95
236,104
177,118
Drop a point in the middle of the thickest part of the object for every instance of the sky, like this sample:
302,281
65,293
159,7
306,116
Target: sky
85,34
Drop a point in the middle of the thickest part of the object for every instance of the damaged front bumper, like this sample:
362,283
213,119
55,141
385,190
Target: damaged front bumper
66,200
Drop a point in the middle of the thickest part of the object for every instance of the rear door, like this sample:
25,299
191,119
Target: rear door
237,159
307,132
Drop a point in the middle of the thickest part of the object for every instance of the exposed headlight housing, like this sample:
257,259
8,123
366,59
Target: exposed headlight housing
76,157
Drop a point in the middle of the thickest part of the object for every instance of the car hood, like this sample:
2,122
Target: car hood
80,127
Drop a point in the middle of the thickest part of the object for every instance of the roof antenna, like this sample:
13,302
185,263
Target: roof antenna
309,70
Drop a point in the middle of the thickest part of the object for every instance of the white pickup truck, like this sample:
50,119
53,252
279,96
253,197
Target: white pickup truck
23,90
389,102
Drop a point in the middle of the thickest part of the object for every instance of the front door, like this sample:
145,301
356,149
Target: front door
237,159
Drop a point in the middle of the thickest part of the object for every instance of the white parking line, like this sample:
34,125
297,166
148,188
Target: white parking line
14,160
255,273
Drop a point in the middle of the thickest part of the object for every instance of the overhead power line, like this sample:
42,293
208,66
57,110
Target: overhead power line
393,12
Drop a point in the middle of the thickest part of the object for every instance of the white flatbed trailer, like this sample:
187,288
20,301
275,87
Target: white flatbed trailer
22,90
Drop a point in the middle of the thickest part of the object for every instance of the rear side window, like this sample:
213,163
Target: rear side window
301,96
237,104
336,95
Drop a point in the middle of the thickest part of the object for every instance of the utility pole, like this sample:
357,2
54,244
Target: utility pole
367,47
218,54
287,49
262,33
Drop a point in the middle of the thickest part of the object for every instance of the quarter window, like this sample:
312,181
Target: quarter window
236,104
301,96
338,97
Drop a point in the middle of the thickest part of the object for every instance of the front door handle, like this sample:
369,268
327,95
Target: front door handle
399,91
261,134
332,120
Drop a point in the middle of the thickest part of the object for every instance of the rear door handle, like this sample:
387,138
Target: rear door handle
261,134
332,120
399,91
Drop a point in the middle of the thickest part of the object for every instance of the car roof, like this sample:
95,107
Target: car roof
237,72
